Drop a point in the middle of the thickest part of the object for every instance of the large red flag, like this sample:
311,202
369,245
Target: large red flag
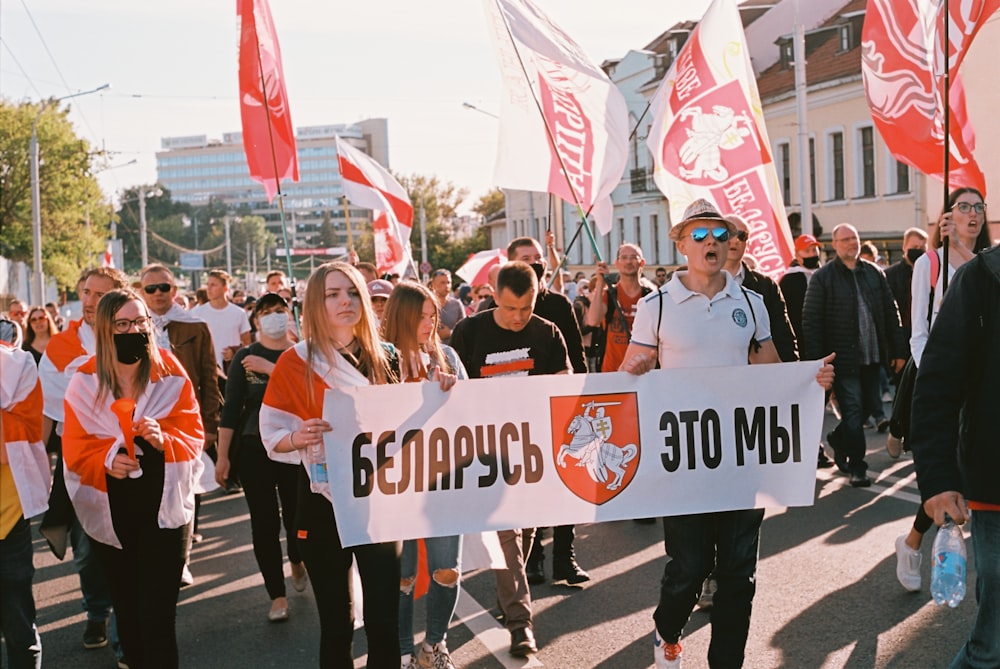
368,184
268,142
709,141
903,64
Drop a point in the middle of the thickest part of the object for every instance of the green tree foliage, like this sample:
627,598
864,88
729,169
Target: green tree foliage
74,212
491,203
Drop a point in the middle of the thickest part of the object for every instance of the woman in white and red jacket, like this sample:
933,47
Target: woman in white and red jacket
131,478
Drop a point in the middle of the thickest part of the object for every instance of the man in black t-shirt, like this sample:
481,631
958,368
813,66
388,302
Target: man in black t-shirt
511,341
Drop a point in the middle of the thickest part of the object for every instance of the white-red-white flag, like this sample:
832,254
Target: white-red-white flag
577,147
368,184
902,62
108,257
709,141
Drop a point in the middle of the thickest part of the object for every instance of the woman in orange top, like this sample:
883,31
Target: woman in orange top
131,477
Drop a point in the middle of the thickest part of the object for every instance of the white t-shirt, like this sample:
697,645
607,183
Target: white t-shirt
696,331
226,325
920,295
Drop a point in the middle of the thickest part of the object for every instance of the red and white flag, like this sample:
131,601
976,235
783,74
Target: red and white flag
709,141
367,184
268,142
108,257
475,270
902,62
577,147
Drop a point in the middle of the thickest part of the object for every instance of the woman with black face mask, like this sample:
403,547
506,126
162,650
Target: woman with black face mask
131,445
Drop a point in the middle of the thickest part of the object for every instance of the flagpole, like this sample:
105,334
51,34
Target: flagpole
548,131
277,180
947,143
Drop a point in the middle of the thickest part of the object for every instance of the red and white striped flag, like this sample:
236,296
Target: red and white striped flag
577,147
268,135
902,63
709,141
368,184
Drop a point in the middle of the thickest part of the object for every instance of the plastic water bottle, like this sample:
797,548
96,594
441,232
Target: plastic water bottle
315,457
948,570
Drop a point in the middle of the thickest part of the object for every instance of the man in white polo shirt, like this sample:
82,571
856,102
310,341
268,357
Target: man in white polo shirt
703,318
227,322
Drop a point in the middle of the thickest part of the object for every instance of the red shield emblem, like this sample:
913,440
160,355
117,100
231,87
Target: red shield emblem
595,443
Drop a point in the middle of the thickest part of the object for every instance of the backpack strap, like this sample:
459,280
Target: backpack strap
754,344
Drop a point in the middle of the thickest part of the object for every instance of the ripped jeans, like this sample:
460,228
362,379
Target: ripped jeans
444,562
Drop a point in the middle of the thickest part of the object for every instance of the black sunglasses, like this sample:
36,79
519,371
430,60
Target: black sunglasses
162,287
742,235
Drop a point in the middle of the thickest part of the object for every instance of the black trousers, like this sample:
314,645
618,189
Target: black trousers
329,565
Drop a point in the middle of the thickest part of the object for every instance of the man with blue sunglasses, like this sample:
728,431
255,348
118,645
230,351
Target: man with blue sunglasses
698,305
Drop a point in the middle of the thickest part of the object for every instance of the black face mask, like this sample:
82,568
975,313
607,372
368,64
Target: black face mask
811,262
131,347
913,254
539,269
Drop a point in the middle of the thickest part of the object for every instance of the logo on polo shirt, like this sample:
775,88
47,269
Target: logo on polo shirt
586,433
740,317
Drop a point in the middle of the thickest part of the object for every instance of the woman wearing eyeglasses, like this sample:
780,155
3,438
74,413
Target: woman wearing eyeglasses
341,349
963,222
410,324
40,331
131,472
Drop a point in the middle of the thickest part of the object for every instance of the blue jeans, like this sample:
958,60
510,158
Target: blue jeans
93,583
17,605
443,554
727,543
858,397
982,650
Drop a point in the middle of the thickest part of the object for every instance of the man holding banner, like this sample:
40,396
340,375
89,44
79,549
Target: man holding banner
672,326
511,340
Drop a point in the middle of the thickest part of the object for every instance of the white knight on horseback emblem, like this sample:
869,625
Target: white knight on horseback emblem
591,448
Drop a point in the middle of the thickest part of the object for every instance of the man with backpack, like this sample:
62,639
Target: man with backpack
613,303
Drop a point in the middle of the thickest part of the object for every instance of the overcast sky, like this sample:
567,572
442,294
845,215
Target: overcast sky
172,66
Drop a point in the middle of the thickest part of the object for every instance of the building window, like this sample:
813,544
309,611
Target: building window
787,55
812,169
846,38
785,171
654,226
621,232
866,168
636,225
899,177
835,178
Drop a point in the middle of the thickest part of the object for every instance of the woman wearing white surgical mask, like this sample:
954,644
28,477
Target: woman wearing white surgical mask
240,448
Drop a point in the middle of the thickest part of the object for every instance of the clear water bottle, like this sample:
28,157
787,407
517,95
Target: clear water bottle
948,570
315,457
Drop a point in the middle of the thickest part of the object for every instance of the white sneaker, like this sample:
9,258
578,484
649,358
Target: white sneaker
408,662
434,657
186,577
665,655
907,565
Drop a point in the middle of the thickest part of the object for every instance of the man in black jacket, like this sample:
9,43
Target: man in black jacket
849,310
954,436
781,328
900,274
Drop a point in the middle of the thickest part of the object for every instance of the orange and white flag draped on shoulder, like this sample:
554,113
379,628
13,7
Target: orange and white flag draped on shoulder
295,394
93,436
268,134
65,353
576,145
22,448
709,141
902,62
367,184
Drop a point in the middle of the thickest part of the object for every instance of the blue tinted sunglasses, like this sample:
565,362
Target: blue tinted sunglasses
701,234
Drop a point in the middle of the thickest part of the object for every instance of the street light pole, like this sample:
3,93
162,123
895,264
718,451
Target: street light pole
36,199
143,244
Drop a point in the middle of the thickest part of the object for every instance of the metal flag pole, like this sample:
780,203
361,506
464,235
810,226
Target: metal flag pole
947,143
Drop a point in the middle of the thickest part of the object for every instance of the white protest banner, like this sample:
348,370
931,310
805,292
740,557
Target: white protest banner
409,460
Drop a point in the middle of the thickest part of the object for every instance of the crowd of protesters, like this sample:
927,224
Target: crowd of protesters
155,397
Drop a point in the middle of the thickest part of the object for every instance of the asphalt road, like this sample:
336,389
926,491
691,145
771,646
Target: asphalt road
827,595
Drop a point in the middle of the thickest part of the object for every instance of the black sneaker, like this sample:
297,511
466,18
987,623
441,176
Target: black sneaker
860,481
823,462
838,459
96,634
883,425
568,570
535,572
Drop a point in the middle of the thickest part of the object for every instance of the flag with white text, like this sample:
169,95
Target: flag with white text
368,184
563,123
902,62
709,141
268,134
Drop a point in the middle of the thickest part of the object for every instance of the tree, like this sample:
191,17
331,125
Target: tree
73,209
491,203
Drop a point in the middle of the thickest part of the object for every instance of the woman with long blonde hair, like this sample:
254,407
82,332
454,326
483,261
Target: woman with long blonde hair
410,323
341,348
131,447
